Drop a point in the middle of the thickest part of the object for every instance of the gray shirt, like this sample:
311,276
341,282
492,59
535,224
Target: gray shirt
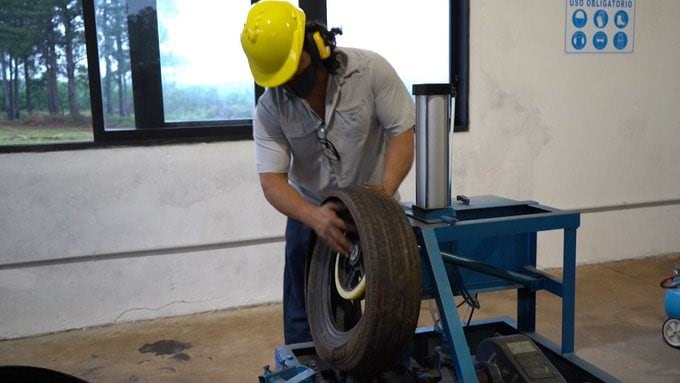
366,103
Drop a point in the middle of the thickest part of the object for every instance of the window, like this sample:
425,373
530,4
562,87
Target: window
44,88
425,41
204,75
146,70
169,69
418,52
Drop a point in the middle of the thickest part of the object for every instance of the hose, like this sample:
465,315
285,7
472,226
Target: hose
673,281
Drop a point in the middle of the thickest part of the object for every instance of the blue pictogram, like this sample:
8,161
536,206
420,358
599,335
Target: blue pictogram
620,40
621,19
600,40
578,40
601,19
579,18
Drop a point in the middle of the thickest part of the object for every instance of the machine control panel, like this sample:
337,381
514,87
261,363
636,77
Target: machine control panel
517,359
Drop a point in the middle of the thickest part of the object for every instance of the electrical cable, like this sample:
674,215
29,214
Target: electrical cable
472,310
472,301
460,287
672,281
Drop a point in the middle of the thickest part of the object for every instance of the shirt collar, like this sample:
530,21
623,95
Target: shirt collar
346,68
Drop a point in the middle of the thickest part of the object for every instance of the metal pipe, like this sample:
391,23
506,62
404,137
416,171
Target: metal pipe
626,206
140,253
434,108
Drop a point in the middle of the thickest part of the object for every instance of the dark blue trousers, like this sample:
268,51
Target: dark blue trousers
299,242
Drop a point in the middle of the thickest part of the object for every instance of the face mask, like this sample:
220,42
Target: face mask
303,85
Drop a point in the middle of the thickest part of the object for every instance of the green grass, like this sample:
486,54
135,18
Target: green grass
40,128
20,135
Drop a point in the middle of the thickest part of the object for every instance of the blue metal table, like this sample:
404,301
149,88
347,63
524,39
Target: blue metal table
493,241
484,244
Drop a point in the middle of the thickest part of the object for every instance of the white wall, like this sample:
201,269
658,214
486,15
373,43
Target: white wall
577,130
142,232
133,233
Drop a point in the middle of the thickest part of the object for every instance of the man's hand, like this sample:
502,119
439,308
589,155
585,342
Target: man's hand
323,219
332,229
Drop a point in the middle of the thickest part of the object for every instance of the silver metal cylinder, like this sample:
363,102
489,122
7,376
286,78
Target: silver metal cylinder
434,111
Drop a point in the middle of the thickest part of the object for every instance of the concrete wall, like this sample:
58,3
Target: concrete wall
111,235
101,236
577,130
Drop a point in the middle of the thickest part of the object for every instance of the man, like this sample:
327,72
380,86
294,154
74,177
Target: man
328,118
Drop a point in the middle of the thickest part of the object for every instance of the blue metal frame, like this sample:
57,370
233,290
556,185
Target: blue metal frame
489,243
288,367
494,240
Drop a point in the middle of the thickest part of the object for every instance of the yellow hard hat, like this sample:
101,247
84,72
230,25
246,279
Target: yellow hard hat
272,39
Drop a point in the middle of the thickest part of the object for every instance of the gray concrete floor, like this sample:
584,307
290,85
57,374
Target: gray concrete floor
619,315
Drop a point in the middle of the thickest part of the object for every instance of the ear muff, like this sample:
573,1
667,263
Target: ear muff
321,47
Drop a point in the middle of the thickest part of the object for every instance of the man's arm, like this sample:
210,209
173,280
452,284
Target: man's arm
398,160
322,219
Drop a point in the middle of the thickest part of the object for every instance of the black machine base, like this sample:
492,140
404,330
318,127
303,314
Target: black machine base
502,354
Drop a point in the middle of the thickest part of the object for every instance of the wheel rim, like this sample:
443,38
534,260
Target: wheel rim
349,282
350,278
671,332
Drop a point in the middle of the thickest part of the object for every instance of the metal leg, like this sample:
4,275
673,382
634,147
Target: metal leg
453,328
526,310
568,290
526,298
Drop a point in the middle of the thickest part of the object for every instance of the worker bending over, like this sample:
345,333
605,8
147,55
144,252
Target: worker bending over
329,117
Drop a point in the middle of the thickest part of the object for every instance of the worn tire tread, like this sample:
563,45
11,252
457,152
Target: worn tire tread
393,287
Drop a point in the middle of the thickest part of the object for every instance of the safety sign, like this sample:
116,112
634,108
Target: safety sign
599,26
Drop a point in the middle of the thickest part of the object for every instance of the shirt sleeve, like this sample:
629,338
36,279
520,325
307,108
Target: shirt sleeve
393,103
272,151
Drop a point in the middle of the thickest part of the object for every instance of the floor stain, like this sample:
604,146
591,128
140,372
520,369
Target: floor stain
182,357
167,347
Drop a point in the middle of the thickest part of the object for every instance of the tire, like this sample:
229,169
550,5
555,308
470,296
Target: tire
35,374
369,335
671,332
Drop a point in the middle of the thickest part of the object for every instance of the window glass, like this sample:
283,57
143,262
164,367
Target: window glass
205,74
412,36
114,64
44,90
173,64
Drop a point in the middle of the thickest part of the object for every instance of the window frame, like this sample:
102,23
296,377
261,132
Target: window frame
459,52
150,129
150,126
459,60
149,121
